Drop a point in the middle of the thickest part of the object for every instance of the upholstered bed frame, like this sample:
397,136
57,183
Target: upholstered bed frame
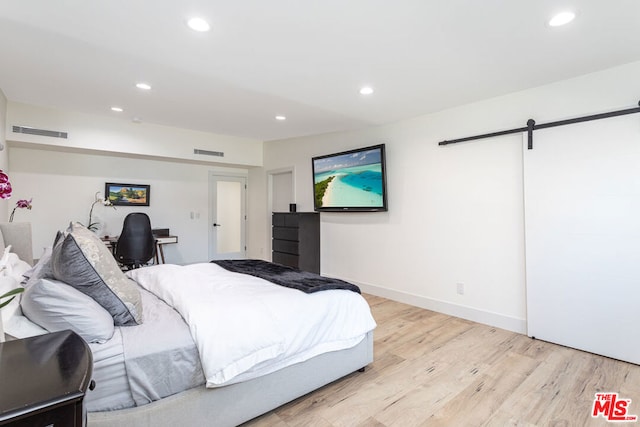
18,235
224,406
234,404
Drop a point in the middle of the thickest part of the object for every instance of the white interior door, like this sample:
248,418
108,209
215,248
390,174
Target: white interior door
582,225
227,219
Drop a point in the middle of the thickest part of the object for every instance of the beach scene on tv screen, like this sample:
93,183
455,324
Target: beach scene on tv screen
349,180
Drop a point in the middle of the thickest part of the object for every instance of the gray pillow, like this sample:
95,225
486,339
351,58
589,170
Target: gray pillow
57,306
82,260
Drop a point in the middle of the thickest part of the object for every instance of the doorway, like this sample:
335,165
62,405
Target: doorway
227,216
280,193
281,190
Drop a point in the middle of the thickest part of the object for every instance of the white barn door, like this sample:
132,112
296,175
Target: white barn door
582,231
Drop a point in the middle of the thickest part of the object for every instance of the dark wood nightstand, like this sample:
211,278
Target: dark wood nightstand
44,379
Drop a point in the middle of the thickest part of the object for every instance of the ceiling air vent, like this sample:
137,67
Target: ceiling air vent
208,153
40,132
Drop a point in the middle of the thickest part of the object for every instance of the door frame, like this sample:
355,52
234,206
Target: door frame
270,175
214,175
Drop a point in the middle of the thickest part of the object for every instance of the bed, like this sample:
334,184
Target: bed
164,367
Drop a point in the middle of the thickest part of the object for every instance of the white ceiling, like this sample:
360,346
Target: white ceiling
305,59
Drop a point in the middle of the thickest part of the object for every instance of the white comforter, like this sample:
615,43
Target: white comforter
245,327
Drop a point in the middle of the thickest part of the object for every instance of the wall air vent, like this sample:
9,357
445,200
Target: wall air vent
208,153
40,132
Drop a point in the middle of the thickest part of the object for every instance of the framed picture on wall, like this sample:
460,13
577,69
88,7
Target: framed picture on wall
127,194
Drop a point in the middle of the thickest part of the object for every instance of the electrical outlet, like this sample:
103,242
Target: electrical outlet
460,288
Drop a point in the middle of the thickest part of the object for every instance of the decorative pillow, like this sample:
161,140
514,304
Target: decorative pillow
56,306
82,260
41,270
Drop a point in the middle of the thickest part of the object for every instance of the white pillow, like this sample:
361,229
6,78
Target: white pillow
12,265
8,283
42,269
11,270
56,306
5,267
18,267
21,327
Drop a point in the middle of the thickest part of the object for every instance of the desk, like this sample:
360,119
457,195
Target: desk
160,242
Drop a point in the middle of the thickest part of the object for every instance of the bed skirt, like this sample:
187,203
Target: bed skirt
237,403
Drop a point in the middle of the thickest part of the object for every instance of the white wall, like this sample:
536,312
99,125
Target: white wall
117,135
62,175
455,212
63,185
4,204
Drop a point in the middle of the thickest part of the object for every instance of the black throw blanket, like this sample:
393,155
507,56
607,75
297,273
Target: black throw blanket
285,276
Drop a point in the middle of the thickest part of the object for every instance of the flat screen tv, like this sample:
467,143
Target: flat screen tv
352,180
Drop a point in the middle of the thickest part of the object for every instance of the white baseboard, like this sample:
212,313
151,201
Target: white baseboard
485,317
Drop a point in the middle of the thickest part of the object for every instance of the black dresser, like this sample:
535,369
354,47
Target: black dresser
44,380
296,240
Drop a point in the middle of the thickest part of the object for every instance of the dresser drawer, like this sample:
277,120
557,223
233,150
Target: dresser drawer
286,246
285,220
285,259
284,233
278,219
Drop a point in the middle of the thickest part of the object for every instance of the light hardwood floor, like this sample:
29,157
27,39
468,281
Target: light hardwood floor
431,369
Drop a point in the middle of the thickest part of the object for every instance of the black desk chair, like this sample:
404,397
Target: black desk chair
136,244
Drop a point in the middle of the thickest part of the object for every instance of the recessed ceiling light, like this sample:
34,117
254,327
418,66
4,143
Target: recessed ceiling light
561,18
281,118
366,90
143,86
117,109
198,24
